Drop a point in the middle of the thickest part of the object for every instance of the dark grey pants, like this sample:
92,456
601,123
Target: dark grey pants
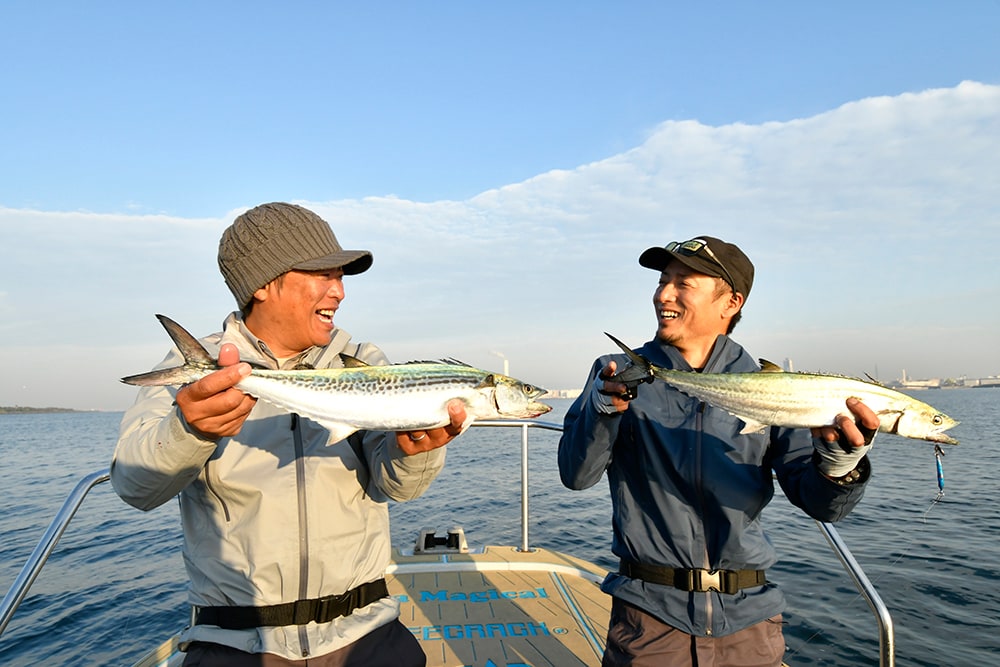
391,645
637,639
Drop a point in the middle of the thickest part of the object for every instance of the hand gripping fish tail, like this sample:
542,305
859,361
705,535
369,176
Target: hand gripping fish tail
637,372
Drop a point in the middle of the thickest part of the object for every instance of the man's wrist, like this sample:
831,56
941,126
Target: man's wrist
852,477
601,401
859,475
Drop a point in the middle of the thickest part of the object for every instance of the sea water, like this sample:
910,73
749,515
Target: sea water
114,587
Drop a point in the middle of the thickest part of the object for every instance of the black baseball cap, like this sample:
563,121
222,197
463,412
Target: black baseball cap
707,255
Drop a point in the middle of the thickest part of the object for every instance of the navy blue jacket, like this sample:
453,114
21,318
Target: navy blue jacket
687,489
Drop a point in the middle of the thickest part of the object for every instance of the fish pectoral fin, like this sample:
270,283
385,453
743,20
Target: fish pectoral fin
769,366
338,431
352,362
752,427
889,420
466,424
487,382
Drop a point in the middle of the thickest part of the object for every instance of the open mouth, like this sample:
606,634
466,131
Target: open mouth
326,315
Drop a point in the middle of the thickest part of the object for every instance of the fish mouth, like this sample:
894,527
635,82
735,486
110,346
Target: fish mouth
536,409
942,438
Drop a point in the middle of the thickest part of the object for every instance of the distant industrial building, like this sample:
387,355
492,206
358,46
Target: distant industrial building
937,383
981,382
563,393
907,383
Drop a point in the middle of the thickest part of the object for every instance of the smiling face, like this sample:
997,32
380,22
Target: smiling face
692,309
295,311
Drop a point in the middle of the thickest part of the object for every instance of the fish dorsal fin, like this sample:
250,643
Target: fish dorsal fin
770,367
448,362
352,362
873,380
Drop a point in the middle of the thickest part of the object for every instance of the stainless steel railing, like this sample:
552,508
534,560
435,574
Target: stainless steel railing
40,555
526,425
886,635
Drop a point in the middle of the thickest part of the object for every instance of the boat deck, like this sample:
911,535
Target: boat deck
502,607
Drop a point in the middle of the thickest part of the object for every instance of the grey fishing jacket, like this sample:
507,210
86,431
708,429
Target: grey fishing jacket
277,513
687,490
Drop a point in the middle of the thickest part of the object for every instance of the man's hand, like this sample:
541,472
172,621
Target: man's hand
212,406
609,397
842,447
414,442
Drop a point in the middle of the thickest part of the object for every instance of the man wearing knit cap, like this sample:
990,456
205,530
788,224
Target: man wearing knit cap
286,534
688,486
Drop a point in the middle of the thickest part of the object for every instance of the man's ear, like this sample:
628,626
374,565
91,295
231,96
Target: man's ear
736,301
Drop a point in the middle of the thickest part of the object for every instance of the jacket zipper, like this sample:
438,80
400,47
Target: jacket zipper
211,489
706,564
300,479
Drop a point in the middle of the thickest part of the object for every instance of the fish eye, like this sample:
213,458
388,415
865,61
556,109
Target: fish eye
528,389
937,420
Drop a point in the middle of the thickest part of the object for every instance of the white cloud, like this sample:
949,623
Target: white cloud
873,227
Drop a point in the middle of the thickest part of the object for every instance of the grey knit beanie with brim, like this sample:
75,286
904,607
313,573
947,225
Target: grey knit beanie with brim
275,238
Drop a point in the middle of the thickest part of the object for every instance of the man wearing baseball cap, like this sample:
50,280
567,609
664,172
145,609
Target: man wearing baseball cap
688,487
286,533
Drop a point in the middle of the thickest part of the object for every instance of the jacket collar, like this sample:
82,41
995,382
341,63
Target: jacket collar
727,356
255,351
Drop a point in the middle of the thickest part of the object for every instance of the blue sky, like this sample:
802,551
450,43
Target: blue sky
506,164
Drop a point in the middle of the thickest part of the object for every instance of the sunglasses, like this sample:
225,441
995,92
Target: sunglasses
699,246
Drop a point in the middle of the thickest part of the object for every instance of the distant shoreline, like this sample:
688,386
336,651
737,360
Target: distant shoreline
19,410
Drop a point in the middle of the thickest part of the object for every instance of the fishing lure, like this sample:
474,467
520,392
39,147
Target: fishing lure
938,456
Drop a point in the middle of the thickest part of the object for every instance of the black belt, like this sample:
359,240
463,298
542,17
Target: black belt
694,579
300,612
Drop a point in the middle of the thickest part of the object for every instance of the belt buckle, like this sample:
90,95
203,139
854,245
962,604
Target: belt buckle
706,580
722,581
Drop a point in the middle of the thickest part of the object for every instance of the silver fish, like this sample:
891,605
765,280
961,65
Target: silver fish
398,397
773,397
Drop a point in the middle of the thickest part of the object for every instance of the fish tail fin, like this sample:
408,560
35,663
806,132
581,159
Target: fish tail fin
634,357
197,360
647,369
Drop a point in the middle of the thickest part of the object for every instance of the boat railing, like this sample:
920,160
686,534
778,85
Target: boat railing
50,538
40,555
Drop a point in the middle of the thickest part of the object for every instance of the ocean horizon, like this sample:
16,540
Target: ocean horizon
114,587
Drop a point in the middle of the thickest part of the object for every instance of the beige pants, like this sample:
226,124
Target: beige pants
637,639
